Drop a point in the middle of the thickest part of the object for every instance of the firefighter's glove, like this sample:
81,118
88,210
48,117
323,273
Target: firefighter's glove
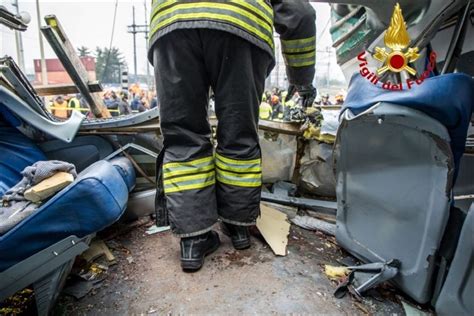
307,93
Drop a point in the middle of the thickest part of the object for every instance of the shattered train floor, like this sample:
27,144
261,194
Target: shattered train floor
147,279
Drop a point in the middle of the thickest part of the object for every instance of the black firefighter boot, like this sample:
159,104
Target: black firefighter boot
239,235
194,249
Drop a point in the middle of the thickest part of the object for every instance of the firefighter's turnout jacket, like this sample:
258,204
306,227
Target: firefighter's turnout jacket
229,46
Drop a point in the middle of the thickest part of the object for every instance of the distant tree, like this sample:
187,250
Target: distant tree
83,51
108,64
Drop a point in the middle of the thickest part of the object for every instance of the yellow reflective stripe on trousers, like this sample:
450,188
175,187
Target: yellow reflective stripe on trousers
241,166
172,169
250,180
299,45
237,172
193,182
227,12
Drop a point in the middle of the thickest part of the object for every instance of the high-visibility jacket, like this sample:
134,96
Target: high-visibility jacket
253,20
265,111
60,110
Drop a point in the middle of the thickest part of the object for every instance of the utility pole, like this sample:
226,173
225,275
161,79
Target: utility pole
134,29
147,47
44,75
19,42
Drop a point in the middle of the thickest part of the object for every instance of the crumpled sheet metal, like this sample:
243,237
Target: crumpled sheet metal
316,170
278,156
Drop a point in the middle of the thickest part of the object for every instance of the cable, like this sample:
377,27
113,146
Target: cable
111,41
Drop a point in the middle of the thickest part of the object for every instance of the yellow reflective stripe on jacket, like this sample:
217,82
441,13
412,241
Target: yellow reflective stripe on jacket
300,60
172,169
232,12
193,182
299,45
267,17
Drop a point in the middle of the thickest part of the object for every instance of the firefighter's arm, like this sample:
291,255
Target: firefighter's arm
295,21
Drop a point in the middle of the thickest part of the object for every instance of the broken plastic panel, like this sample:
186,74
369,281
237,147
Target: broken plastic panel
394,170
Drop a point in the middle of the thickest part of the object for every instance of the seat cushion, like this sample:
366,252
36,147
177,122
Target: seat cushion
16,152
125,168
95,200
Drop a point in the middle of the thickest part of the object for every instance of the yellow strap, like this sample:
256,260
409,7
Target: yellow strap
215,16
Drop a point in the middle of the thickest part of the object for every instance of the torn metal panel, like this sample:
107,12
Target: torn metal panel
317,173
392,173
278,156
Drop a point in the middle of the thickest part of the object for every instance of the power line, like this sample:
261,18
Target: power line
111,41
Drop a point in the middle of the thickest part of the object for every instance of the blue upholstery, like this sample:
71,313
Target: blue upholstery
126,170
16,153
95,200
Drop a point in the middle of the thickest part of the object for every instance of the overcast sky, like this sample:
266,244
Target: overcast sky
89,23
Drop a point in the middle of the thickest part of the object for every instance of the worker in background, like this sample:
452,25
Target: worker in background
60,108
339,99
226,45
325,99
124,107
112,103
154,101
265,110
277,113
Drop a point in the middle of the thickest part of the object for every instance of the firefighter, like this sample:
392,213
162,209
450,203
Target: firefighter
265,111
227,46
60,108
277,108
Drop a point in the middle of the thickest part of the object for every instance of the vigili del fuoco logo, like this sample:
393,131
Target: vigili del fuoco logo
396,56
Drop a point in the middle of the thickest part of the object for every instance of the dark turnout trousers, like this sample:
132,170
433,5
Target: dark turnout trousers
201,186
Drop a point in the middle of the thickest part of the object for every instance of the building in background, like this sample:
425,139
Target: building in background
58,75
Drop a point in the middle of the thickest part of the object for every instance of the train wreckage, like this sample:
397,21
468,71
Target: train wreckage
384,184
